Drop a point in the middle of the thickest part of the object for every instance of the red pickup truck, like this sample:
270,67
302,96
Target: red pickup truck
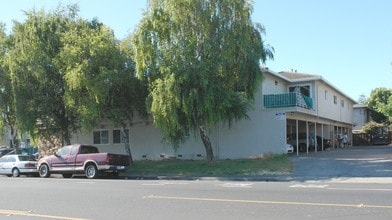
82,159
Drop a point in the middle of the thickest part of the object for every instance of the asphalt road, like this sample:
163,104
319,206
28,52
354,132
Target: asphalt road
338,184
80,199
367,163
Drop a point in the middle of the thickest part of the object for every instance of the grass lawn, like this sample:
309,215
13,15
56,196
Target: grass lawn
271,164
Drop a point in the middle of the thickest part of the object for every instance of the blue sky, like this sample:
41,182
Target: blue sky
347,42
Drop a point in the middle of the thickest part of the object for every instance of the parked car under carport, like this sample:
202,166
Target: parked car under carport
291,139
327,143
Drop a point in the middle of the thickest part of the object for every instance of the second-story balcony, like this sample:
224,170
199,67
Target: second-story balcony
288,100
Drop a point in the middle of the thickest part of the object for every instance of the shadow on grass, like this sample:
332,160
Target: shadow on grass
266,165
336,164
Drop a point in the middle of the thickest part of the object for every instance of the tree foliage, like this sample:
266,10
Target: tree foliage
362,99
37,78
380,104
8,118
201,61
100,76
371,127
68,74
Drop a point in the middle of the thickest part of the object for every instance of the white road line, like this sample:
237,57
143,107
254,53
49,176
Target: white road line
309,186
314,186
240,185
359,189
153,184
164,183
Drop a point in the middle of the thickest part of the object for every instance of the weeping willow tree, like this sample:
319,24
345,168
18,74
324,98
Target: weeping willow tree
201,61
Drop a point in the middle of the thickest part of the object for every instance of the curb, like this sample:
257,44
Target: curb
372,180
209,178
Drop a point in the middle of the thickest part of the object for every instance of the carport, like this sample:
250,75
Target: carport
314,128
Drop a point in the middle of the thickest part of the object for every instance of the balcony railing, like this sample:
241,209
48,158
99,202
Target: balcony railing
288,100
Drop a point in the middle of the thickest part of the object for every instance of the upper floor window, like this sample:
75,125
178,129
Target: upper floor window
342,103
335,99
304,90
101,137
118,138
326,95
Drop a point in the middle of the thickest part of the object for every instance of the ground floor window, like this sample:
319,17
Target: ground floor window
118,137
101,137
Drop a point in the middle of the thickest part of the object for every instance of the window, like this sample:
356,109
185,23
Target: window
101,137
63,151
335,99
11,159
85,149
304,90
73,150
118,137
326,95
342,103
26,158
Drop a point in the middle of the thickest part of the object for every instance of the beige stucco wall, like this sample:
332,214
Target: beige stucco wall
326,108
360,117
262,133
145,140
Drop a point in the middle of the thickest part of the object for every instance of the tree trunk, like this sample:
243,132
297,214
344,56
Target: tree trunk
126,145
207,145
66,138
14,135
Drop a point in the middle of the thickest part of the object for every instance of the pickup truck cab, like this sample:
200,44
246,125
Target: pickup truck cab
82,159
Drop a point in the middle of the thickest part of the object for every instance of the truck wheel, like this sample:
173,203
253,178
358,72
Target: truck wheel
91,171
44,171
15,172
